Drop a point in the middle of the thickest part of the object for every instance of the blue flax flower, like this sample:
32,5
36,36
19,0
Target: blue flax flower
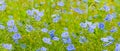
117,48
91,30
12,29
2,5
93,26
83,39
107,39
101,25
51,33
29,28
37,18
55,38
108,17
65,34
2,27
70,47
83,25
7,46
106,8
46,40
66,40
107,44
60,3
30,12
118,23
114,29
78,10
45,30
40,14
16,36
42,49
10,23
56,19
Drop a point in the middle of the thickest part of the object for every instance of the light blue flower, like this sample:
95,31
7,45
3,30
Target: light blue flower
43,49
70,47
110,38
66,40
101,25
55,38
118,23
29,28
2,5
16,36
92,26
30,12
15,29
10,23
107,39
7,46
83,25
40,14
12,29
56,19
60,3
91,30
107,44
114,29
2,27
51,33
108,17
117,48
78,10
83,39
45,30
35,13
106,8
65,34
46,40
37,18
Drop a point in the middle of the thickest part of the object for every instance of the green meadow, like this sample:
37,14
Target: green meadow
90,12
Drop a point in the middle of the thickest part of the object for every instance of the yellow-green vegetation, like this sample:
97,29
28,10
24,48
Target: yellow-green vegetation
59,25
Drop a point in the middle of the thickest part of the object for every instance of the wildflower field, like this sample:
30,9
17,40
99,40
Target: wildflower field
59,25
